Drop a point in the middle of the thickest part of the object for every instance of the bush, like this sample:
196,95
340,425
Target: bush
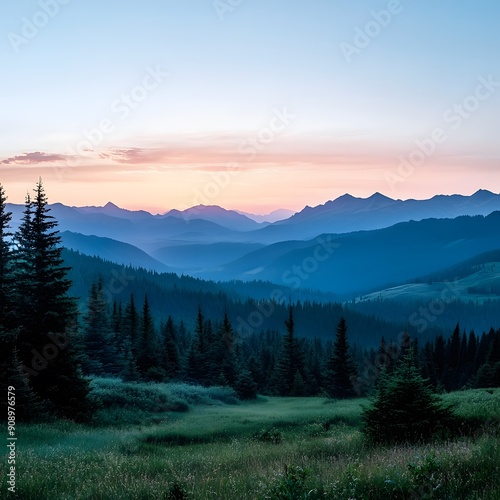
199,395
176,492
405,408
426,477
134,402
291,485
245,387
272,435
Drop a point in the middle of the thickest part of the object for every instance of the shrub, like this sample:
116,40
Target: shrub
245,387
291,485
272,435
176,492
405,408
426,477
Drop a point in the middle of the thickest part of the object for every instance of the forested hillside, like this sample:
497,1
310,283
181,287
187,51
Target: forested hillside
252,307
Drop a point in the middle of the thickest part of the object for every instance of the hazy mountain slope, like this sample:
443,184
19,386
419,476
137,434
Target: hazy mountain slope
467,293
114,211
145,231
484,284
476,279
112,250
213,224
275,216
370,259
226,218
195,258
180,296
347,214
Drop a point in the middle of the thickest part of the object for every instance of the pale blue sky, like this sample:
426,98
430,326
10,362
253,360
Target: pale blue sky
352,119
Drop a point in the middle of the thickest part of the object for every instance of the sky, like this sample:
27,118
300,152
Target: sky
248,104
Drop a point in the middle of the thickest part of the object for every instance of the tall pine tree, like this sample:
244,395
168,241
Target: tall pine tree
340,371
147,359
289,372
48,340
100,353
6,276
7,334
171,353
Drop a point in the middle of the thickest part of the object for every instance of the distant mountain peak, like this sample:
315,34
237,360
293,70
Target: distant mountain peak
275,216
483,193
379,196
111,205
230,219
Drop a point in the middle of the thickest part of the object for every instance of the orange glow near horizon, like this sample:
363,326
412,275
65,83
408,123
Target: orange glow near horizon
160,179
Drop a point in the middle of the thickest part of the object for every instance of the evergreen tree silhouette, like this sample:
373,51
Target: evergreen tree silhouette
48,342
404,408
340,368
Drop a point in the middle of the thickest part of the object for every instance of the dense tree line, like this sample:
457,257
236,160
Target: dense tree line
125,341
429,318
180,296
274,361
40,350
49,351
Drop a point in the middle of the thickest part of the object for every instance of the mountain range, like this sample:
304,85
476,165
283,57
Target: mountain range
374,242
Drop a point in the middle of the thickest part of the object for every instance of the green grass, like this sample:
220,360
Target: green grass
212,451
483,278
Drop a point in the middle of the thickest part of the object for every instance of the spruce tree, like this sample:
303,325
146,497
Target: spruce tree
6,271
340,369
131,327
290,362
171,355
452,372
198,352
256,370
29,408
222,358
440,360
404,408
245,386
24,270
7,323
100,354
147,361
48,340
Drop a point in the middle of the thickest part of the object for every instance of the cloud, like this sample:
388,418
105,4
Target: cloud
33,158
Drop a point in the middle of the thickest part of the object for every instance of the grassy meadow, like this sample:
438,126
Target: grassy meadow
196,443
